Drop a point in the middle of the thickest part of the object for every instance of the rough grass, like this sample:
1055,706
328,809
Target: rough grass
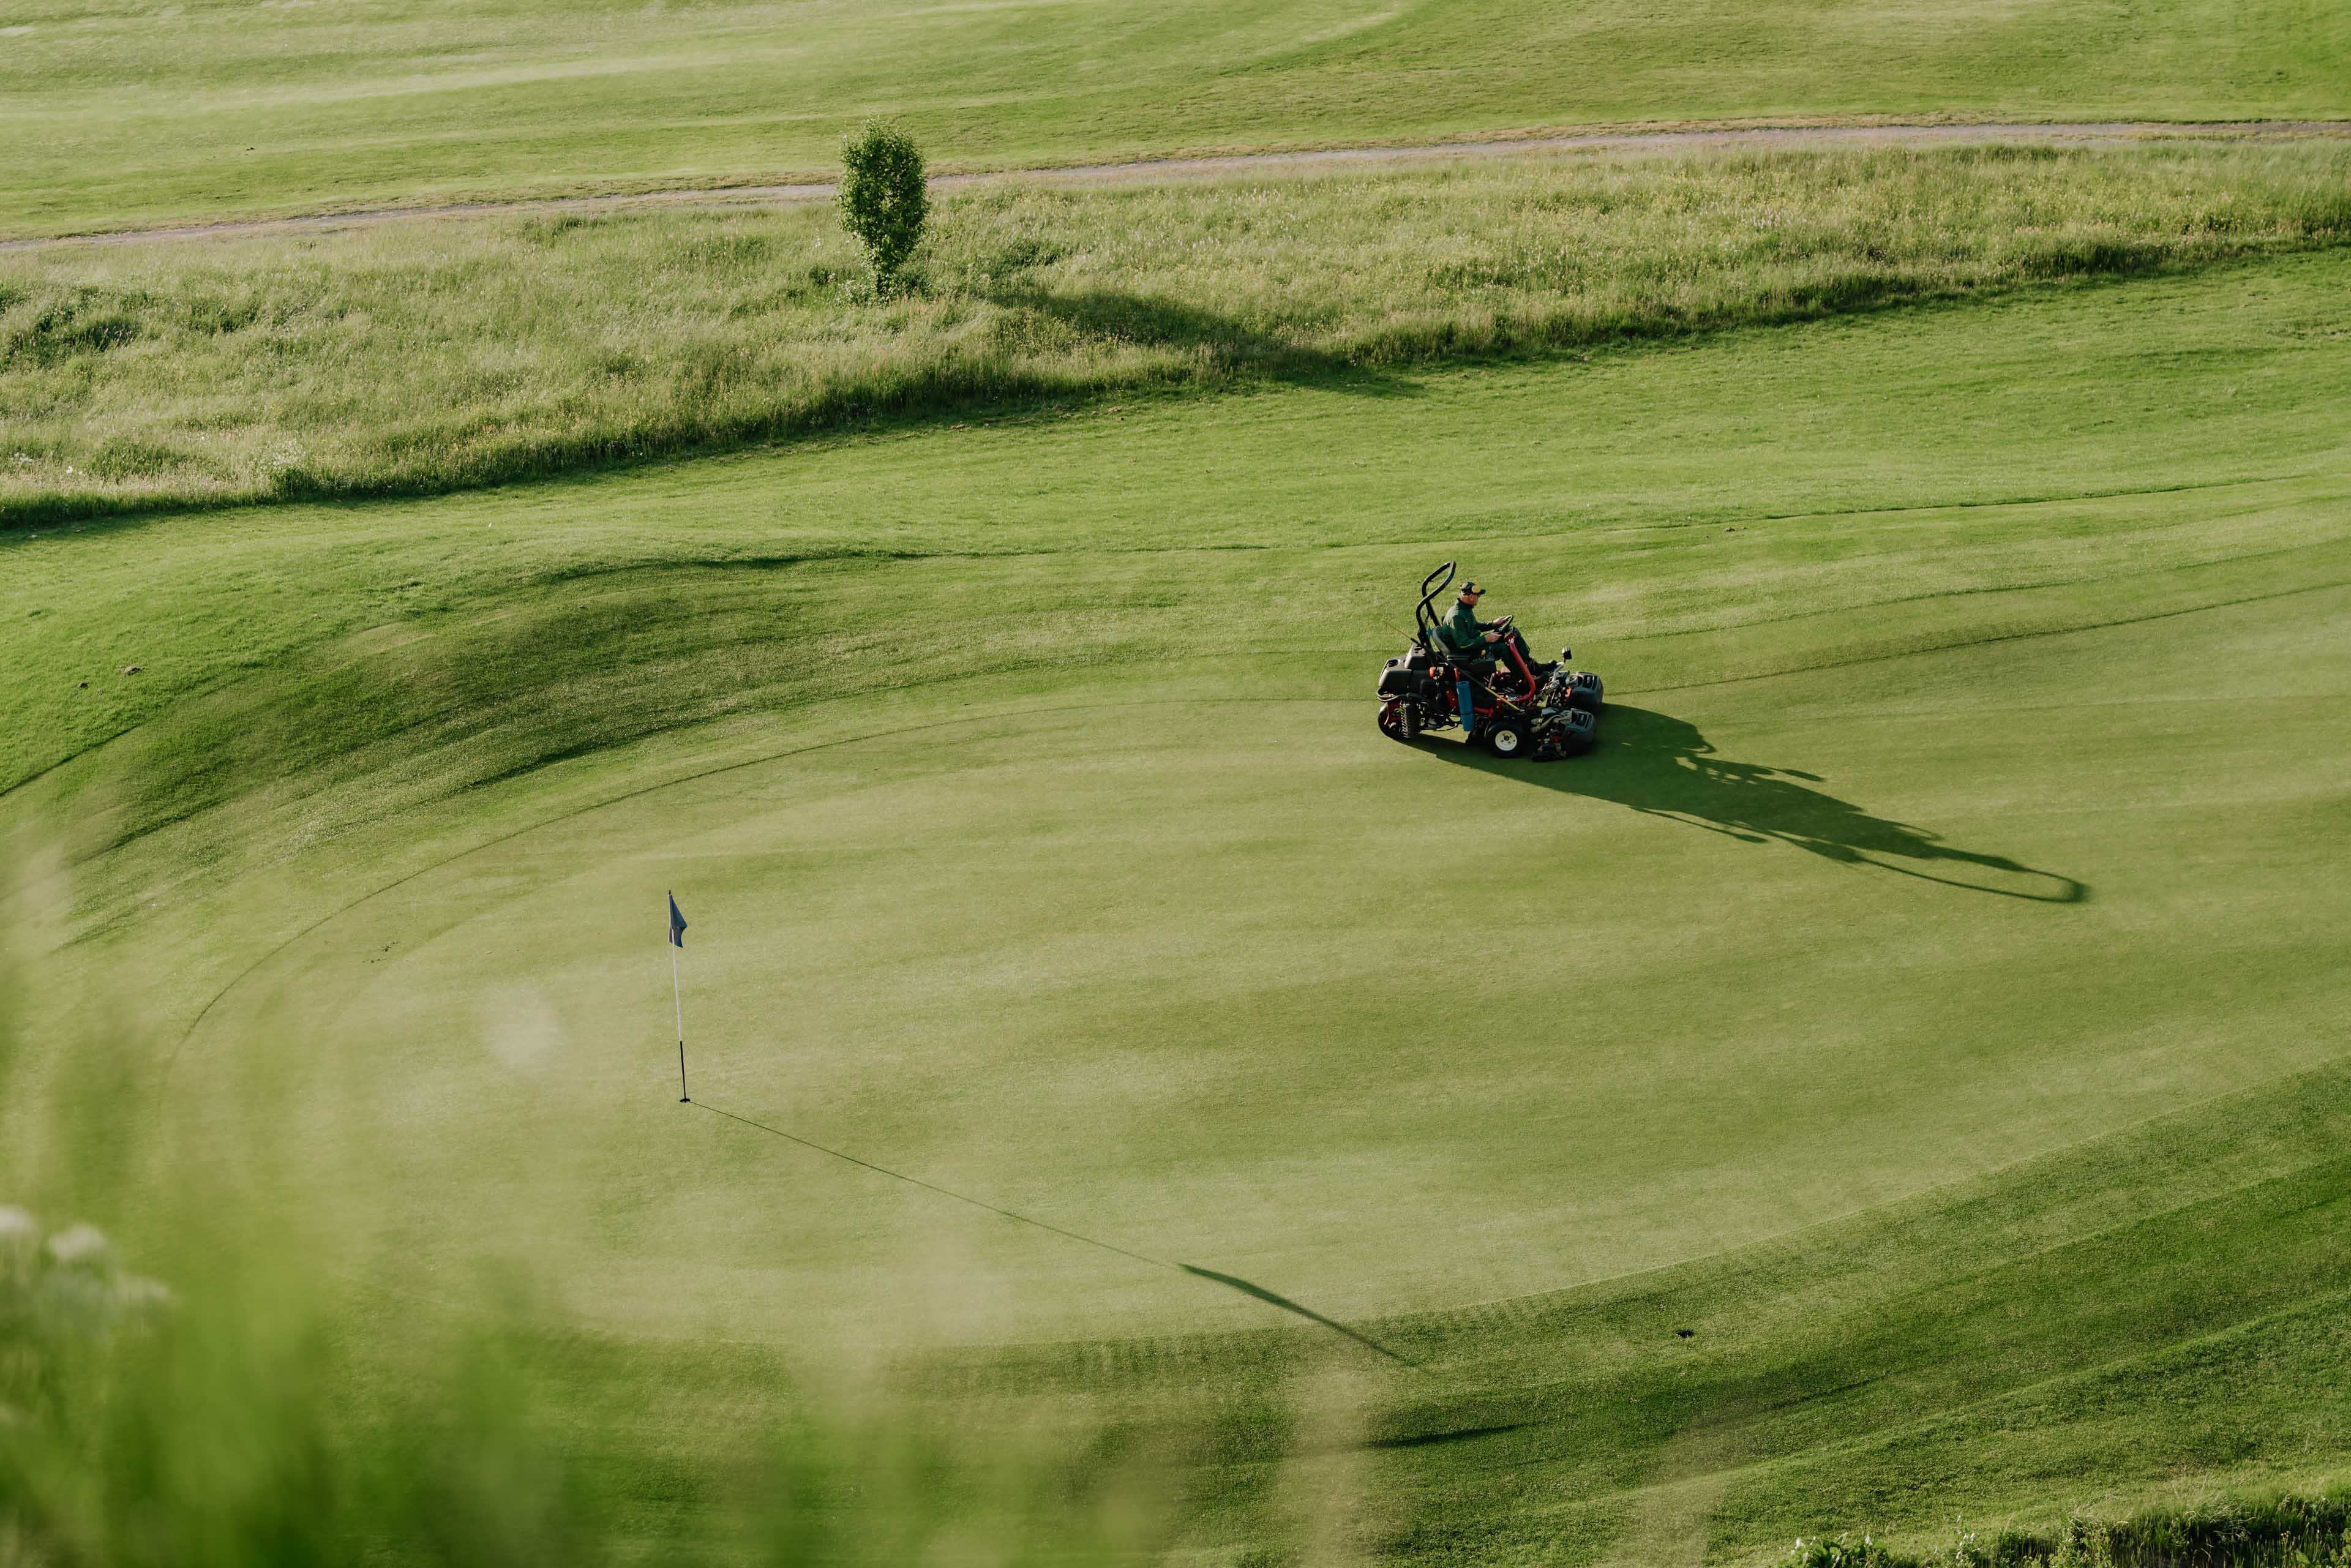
2250,1529
416,359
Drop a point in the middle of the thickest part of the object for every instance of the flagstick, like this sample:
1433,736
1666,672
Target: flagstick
680,995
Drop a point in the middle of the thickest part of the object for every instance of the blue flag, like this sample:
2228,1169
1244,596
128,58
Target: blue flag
676,924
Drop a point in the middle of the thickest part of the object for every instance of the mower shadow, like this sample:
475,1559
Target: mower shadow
1225,342
1662,767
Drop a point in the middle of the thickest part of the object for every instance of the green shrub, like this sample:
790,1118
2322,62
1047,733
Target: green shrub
884,200
1844,1551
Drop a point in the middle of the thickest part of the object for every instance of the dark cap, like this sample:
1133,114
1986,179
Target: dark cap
1473,588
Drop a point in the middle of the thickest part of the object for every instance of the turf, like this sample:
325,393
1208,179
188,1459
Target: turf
119,114
1928,997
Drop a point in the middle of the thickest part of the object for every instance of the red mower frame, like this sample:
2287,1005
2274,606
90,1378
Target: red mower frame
1517,712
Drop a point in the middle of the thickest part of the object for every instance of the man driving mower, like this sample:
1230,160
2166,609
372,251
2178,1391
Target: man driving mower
1514,705
1469,639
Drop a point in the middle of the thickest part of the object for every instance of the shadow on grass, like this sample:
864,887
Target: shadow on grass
1225,342
1230,1281
1662,767
1235,1283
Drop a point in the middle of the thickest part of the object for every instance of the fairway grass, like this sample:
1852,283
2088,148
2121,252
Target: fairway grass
120,116
1896,1077
450,355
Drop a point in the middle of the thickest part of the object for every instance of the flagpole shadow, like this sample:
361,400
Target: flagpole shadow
1233,1282
1229,1281
934,1186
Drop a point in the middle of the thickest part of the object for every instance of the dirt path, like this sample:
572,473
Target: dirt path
1148,171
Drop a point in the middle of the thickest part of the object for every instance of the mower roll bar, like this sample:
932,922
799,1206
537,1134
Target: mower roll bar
1423,619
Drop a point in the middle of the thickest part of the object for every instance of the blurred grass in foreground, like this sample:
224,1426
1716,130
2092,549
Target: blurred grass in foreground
441,355
235,1423
248,1377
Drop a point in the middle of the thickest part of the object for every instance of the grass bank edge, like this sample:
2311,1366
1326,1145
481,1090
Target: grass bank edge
1036,300
931,402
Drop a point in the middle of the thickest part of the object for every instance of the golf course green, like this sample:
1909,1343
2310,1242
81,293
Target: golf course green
1896,1079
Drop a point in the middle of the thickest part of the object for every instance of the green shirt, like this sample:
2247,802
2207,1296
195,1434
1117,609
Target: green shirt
1461,628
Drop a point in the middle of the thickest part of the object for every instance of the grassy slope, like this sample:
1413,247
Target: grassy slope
119,114
1122,771
436,357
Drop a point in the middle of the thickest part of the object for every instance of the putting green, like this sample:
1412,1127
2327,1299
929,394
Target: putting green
1238,983
1929,995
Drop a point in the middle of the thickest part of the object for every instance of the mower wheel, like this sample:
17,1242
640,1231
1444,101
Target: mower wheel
1508,737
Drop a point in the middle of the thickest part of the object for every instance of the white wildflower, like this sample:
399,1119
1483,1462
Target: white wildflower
81,1247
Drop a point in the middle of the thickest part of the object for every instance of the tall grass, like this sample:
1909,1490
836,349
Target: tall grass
450,354
234,1424
2251,1529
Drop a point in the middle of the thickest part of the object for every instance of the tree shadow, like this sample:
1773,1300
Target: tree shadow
1662,767
1226,342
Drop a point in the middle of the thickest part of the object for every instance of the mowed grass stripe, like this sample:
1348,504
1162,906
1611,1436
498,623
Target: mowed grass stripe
210,109
1833,1396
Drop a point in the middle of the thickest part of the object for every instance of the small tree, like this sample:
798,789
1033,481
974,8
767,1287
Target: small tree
883,199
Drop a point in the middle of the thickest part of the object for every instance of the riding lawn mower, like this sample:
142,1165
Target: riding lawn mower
1524,707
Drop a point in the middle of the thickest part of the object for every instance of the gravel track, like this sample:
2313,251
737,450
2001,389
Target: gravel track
1149,171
